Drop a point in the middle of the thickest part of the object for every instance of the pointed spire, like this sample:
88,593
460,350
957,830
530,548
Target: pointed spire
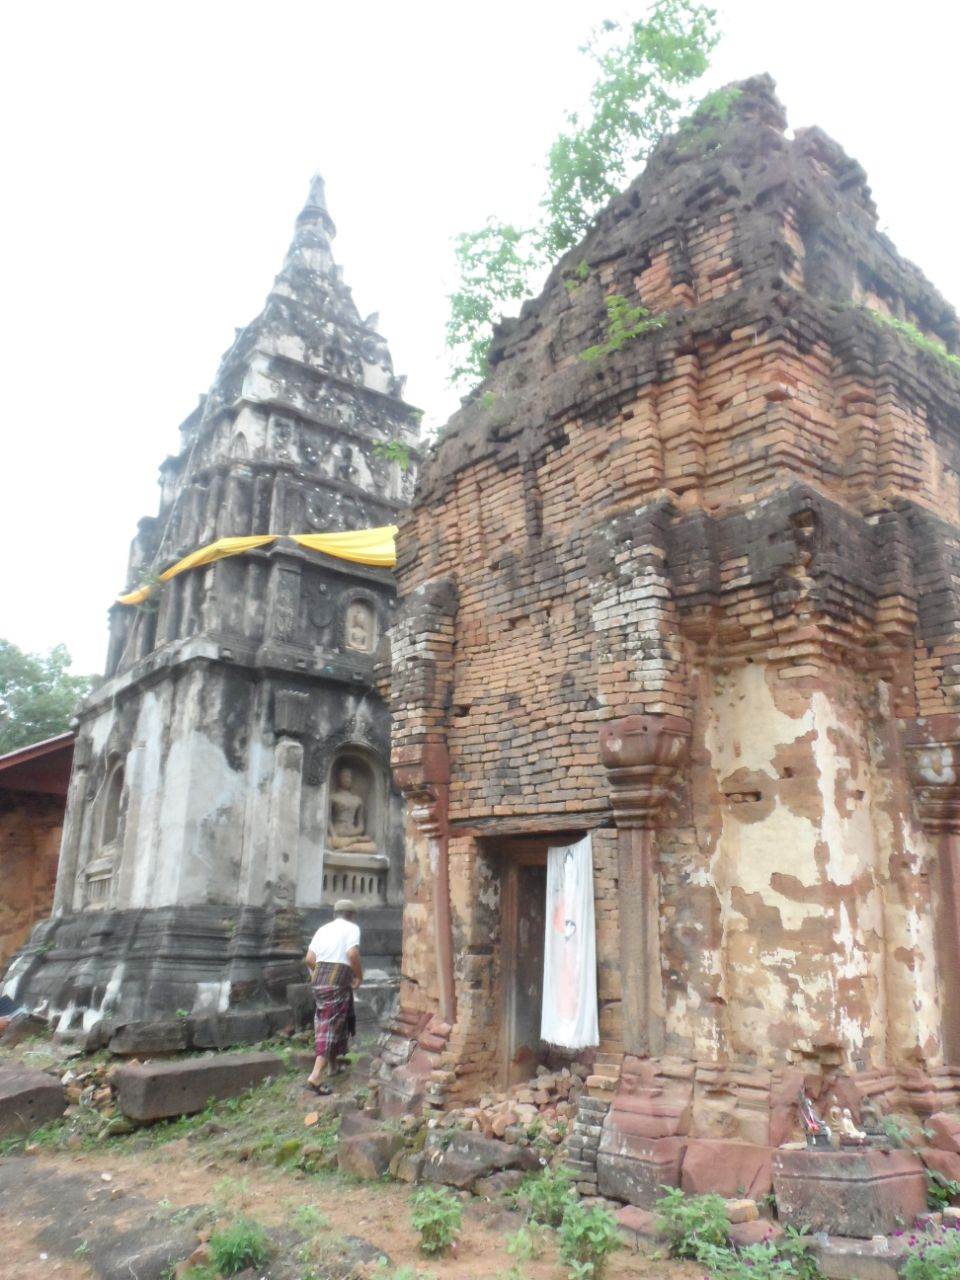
315,210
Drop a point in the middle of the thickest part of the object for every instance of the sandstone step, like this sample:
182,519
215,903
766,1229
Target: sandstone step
156,1090
28,1099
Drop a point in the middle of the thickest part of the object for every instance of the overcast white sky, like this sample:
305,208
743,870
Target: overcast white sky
158,153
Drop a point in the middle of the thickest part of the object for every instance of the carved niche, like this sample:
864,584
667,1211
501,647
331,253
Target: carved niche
360,626
354,866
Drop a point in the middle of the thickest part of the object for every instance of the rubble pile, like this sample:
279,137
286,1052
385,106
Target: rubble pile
543,1107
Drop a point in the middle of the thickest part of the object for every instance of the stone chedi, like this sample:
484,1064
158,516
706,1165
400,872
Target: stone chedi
231,775
697,595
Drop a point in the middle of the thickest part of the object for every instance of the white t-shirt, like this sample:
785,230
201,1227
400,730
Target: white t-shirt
332,941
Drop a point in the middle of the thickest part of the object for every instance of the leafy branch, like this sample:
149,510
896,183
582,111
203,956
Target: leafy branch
643,68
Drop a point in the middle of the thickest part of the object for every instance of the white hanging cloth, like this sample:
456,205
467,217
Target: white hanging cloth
569,1009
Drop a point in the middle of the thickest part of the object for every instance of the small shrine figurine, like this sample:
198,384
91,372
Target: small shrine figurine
850,1135
817,1131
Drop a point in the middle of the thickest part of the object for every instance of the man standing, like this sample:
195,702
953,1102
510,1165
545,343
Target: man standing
333,959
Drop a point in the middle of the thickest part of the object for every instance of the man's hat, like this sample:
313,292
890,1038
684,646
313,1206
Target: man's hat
344,905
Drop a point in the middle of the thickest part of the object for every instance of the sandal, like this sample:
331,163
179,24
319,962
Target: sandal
322,1090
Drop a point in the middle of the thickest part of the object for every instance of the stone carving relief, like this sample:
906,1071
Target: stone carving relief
361,627
353,867
349,818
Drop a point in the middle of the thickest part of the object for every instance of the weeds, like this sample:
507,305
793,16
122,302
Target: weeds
587,1237
754,1262
546,1196
941,1191
437,1216
240,1245
691,1222
795,1245
897,1134
915,336
525,1246
933,1256
308,1220
697,1227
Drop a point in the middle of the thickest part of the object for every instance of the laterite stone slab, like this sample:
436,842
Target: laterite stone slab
156,1090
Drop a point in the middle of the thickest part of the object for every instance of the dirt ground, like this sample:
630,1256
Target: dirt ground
77,1204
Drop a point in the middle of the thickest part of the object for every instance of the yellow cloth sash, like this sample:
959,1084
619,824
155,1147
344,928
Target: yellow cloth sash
374,547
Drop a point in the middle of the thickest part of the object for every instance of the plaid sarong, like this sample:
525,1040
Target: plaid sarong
334,1021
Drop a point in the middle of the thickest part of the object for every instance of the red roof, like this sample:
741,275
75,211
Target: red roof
43,767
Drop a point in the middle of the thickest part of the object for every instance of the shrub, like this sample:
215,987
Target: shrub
437,1216
691,1222
587,1237
933,1257
240,1245
547,1196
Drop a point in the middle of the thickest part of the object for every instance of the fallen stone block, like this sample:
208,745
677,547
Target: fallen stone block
635,1169
133,1038
223,1030
368,1155
21,1027
498,1184
459,1159
858,1193
741,1211
730,1169
753,1232
946,1163
944,1130
407,1166
845,1259
354,1122
636,1224
28,1099
156,1090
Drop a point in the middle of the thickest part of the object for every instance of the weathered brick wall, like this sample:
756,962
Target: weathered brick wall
30,827
747,521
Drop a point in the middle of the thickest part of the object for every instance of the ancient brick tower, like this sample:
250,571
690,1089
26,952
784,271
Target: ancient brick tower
201,840
697,595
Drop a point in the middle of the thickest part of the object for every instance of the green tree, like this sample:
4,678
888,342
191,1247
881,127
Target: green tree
644,68
38,696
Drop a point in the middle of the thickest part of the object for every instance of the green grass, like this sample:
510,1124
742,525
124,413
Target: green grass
263,1125
241,1244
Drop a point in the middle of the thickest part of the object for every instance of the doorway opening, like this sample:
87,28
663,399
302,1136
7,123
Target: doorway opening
523,911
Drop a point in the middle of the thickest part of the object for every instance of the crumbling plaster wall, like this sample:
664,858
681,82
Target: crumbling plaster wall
821,957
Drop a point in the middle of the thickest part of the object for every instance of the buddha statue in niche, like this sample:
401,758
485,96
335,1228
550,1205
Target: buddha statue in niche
347,825
360,627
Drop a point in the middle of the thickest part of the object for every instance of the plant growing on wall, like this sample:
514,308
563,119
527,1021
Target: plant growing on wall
623,324
393,451
644,68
